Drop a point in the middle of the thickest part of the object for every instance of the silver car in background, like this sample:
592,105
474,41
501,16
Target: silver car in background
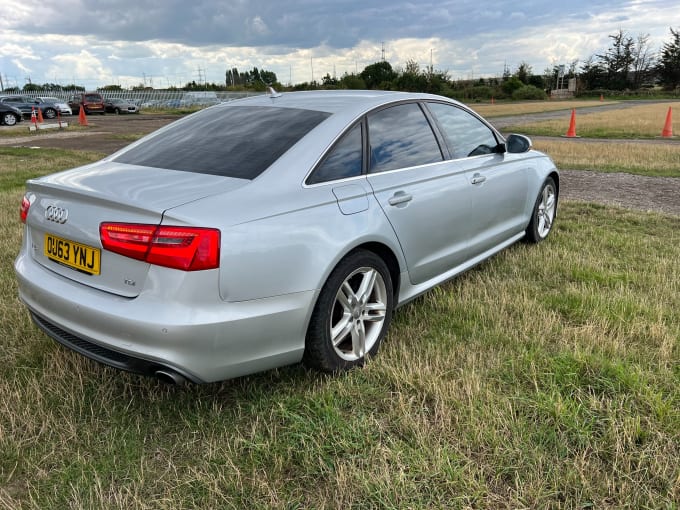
60,104
272,230
117,105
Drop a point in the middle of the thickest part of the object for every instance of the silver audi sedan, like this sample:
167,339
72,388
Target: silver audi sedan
273,230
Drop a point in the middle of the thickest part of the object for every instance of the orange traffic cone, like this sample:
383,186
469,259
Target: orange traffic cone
82,120
40,117
571,133
668,127
34,119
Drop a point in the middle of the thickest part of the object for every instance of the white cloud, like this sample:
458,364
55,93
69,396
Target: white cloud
169,41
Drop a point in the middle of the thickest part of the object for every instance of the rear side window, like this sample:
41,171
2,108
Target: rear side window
401,137
237,141
344,159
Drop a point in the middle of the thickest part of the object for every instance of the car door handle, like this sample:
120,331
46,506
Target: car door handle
477,179
400,197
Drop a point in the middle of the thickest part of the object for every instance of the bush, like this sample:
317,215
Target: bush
512,84
529,92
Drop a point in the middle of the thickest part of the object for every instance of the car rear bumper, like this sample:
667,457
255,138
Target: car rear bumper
203,343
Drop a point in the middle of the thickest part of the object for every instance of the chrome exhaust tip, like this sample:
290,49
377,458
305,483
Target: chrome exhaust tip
170,377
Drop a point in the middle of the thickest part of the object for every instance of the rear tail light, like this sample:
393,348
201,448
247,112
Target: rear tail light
25,206
185,248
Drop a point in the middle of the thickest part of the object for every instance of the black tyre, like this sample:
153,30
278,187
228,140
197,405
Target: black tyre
544,213
352,314
50,113
9,119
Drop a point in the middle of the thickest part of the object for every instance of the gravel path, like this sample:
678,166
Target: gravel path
659,194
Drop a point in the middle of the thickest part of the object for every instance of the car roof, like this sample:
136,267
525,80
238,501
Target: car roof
333,101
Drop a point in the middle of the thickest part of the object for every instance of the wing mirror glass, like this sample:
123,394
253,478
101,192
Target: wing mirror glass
518,144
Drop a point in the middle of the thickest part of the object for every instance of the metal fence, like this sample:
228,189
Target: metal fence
149,99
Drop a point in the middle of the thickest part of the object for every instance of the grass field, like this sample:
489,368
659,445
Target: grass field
654,160
644,121
548,377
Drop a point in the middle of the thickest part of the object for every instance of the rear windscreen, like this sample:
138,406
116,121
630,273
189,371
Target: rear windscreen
239,142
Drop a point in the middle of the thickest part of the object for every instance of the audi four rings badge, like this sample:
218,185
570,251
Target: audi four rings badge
56,214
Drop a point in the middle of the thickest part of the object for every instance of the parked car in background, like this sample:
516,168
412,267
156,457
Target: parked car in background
272,230
61,105
9,115
91,102
29,104
117,105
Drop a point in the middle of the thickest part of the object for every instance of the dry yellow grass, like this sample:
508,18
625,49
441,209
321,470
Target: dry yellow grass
644,121
503,109
659,160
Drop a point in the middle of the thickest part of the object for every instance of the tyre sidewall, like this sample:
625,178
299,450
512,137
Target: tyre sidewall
532,234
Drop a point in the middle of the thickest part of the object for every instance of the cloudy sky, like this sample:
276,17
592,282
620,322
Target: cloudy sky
170,42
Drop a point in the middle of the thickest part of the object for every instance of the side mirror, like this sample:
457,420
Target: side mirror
518,144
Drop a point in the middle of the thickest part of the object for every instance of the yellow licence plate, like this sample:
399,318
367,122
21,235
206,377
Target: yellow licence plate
78,256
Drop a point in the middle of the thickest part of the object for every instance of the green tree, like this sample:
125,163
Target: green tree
269,77
352,82
643,61
669,62
593,75
618,60
511,84
411,78
329,82
378,75
523,72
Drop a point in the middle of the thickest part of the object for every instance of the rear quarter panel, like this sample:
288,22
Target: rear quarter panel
291,247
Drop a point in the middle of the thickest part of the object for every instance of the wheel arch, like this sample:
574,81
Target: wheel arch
556,179
388,256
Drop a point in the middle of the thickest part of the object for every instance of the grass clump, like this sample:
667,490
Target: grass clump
19,164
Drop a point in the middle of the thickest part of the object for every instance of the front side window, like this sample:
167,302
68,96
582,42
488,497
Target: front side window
401,137
465,134
344,159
